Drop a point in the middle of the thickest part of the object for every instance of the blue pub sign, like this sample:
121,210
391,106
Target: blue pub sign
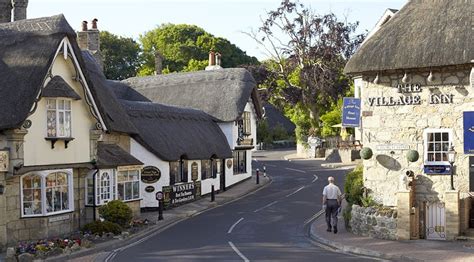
351,112
468,120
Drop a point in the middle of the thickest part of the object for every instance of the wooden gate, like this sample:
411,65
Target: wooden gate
435,221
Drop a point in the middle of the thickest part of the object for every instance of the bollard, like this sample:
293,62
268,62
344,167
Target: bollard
160,210
264,171
258,177
213,197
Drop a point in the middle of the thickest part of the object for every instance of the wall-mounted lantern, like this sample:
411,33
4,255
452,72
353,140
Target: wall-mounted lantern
451,159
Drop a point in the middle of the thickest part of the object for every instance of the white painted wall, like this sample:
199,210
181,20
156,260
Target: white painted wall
37,150
149,159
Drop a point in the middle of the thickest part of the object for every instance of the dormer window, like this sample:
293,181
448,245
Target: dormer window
58,117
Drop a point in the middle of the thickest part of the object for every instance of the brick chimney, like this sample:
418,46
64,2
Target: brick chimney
5,11
158,63
214,61
89,39
19,9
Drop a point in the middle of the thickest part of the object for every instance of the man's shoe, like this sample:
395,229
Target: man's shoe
335,230
329,229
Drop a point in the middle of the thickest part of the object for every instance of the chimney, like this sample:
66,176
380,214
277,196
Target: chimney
19,9
214,61
158,63
5,11
89,39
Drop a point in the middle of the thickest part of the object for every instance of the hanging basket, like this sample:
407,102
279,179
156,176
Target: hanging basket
413,156
366,153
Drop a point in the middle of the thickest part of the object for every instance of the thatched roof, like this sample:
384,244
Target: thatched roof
27,48
171,133
423,34
275,118
221,93
58,87
111,155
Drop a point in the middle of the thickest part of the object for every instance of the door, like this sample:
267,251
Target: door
223,175
435,221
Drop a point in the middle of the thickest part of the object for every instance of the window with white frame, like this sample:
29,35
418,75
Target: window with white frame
105,187
46,193
128,185
247,123
437,143
58,117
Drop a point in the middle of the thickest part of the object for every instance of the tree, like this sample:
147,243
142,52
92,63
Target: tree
121,56
186,48
308,52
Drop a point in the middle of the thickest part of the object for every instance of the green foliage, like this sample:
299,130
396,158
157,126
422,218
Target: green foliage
121,56
353,186
366,153
101,227
265,135
413,155
368,201
347,215
117,212
186,48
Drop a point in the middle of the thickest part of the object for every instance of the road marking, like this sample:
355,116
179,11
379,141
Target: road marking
315,178
315,216
297,190
238,252
297,170
269,205
235,224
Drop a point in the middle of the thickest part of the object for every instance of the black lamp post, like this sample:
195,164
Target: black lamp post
451,158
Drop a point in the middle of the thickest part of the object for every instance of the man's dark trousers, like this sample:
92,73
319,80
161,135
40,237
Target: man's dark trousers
331,213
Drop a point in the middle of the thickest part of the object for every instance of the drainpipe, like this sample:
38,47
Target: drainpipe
94,205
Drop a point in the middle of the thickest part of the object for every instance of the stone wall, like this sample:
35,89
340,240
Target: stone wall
388,122
368,221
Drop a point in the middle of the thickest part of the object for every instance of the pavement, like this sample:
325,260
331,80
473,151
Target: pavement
171,217
296,157
409,250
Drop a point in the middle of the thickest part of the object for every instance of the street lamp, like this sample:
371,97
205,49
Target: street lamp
451,158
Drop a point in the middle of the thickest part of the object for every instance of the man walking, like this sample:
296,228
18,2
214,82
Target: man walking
331,202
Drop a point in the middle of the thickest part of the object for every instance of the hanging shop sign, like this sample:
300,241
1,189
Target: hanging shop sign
409,96
437,169
229,163
351,112
150,174
390,147
468,123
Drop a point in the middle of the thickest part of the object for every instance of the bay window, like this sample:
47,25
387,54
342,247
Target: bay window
128,185
46,193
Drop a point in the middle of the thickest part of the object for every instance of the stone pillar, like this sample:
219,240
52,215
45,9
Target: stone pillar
95,136
19,9
3,219
5,11
404,200
15,139
452,214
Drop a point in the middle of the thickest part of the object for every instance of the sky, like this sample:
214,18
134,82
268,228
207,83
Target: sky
222,18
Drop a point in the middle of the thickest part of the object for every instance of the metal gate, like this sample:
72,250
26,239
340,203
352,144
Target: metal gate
435,221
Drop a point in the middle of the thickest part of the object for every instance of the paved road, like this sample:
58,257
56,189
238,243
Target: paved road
266,226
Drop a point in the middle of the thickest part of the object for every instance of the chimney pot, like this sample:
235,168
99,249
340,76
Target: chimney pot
218,59
94,24
212,58
84,26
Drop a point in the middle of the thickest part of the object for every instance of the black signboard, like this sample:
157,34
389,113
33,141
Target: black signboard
182,193
149,189
150,174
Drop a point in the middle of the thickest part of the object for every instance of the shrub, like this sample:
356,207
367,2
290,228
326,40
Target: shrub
101,227
117,212
368,201
353,186
347,215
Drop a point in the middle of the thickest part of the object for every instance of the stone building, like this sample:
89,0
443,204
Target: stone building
414,76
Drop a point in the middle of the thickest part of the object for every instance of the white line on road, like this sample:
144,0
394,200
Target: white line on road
315,178
238,252
297,190
235,224
297,170
269,205
309,220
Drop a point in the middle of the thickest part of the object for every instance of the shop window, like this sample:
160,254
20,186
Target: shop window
46,193
178,172
128,185
58,117
240,161
216,163
437,143
206,169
